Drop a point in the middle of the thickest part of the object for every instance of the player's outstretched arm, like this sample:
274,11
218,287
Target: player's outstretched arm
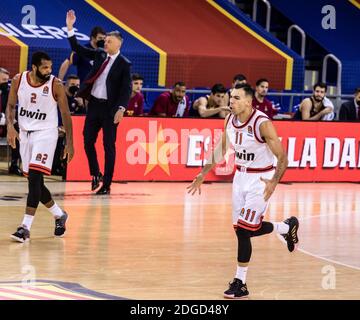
12,134
268,132
216,156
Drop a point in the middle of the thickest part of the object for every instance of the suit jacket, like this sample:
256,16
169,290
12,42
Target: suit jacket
348,111
118,81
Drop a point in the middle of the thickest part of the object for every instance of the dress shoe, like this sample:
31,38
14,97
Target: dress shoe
95,182
15,170
103,190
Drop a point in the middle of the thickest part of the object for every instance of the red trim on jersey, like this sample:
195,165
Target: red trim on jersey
252,170
256,137
26,174
28,81
52,88
17,89
247,121
247,226
228,119
42,169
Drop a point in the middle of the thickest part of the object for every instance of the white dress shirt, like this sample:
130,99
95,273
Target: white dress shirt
99,88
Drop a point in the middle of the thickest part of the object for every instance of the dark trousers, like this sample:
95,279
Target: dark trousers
99,116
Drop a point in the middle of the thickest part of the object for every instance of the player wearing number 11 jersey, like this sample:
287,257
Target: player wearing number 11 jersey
255,142
38,94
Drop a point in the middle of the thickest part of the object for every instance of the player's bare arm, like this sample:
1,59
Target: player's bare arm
12,134
60,95
204,113
268,132
305,108
216,156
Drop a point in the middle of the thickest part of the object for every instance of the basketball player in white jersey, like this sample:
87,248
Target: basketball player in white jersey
38,94
255,142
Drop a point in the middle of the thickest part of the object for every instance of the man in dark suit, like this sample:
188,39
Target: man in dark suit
107,88
350,110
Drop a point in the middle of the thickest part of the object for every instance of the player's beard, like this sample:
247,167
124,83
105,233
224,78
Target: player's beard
43,77
317,99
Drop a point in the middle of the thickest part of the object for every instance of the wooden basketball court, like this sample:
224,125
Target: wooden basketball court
154,241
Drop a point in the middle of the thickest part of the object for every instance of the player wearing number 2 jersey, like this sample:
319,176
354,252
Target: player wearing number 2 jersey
38,94
254,139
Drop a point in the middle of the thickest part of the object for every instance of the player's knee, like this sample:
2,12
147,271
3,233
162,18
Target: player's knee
35,180
242,234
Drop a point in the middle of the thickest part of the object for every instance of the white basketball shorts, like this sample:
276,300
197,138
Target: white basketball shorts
249,206
37,150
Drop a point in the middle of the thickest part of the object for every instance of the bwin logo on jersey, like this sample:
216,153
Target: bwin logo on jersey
245,156
32,114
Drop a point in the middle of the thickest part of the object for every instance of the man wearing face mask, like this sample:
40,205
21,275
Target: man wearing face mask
317,107
83,64
4,93
107,88
350,110
72,86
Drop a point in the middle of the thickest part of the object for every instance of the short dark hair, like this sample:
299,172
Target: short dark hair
116,34
261,80
239,77
321,85
180,84
248,90
218,88
357,90
96,30
72,76
137,76
38,56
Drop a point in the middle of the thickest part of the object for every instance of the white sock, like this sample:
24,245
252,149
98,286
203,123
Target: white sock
56,211
27,221
241,273
281,227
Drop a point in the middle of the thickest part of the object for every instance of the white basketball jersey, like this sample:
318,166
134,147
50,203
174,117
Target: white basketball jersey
251,151
37,107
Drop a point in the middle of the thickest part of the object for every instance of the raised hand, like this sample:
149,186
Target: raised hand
70,19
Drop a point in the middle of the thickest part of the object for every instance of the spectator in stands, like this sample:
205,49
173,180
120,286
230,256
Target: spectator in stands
4,93
136,102
174,103
260,102
350,110
76,104
212,106
84,65
317,107
238,79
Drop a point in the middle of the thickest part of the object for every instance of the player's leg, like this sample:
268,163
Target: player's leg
288,228
237,289
60,216
34,185
42,160
22,233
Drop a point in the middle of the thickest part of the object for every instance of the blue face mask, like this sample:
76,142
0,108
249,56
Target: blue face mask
100,43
